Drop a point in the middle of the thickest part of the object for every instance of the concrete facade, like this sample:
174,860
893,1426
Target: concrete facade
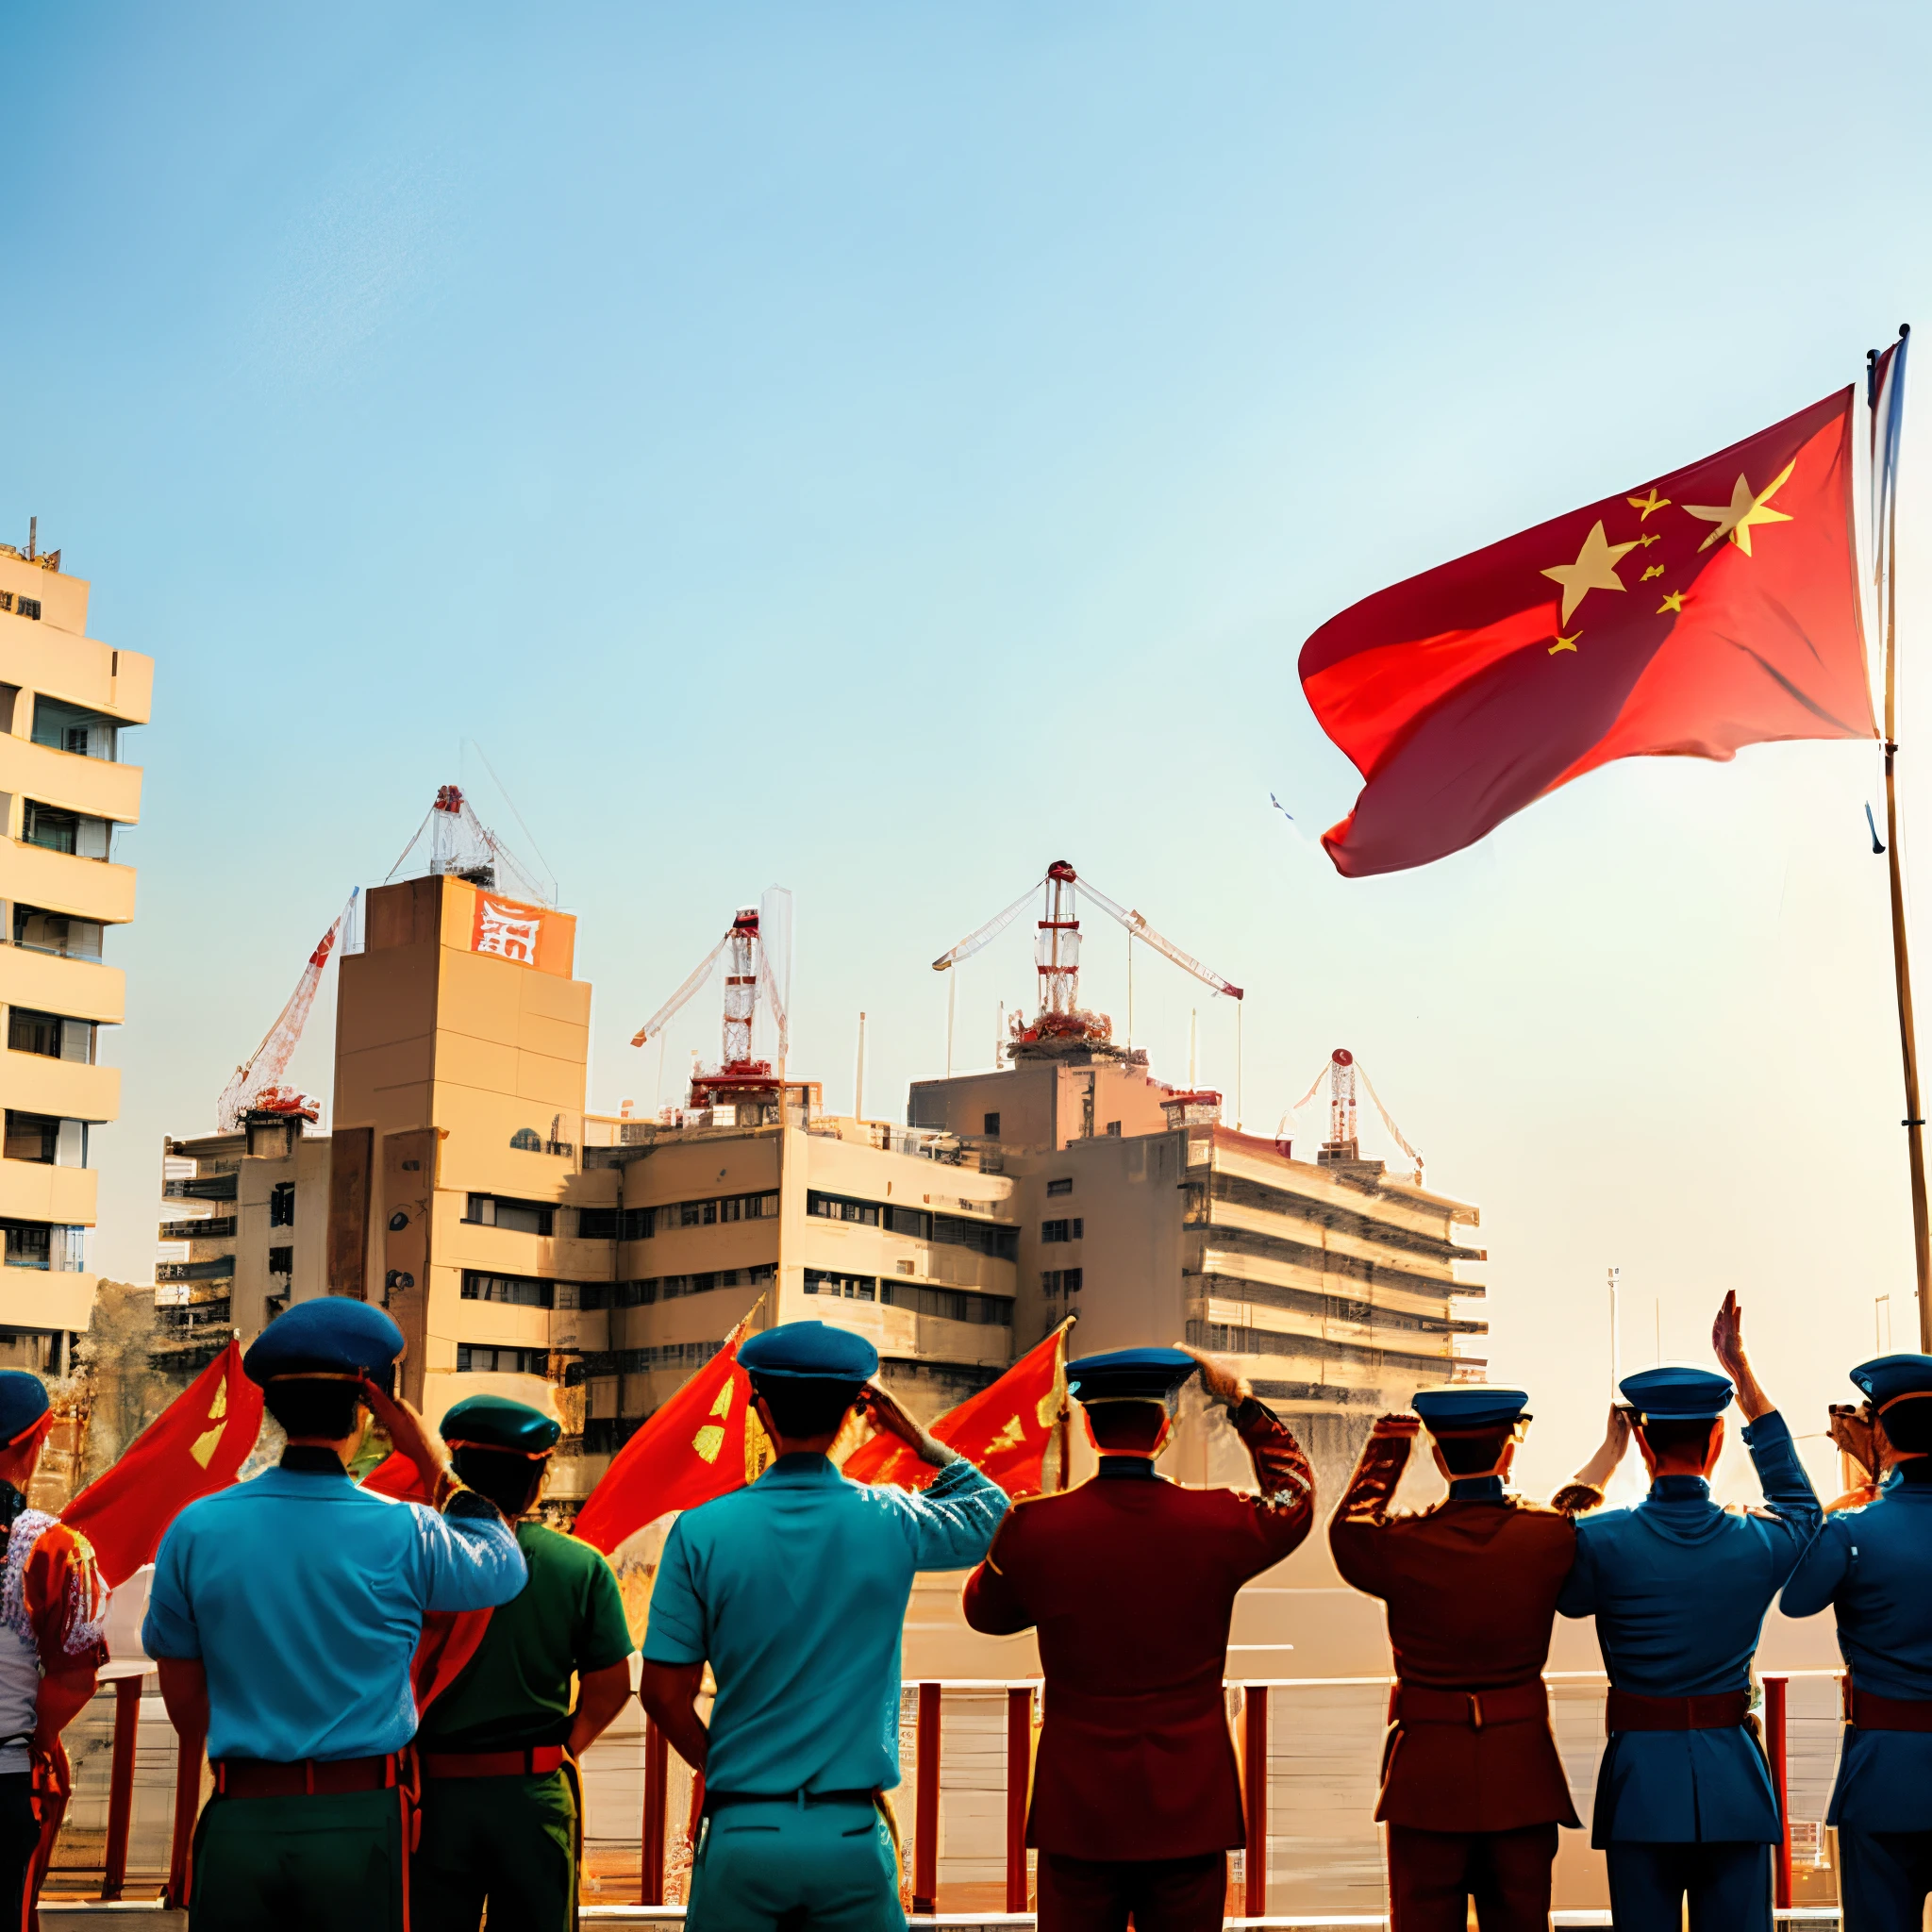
65,698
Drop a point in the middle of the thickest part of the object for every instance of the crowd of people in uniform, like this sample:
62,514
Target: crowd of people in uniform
396,1695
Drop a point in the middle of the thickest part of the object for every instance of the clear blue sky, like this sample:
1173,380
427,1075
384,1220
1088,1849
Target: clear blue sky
882,449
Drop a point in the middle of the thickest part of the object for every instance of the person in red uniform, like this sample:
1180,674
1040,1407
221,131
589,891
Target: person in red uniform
1130,1581
1472,1792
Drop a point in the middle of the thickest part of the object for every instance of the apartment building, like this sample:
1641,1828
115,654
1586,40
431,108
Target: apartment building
65,701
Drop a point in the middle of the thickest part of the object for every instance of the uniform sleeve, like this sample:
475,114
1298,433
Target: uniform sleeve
66,1601
952,1519
1578,1596
467,1558
605,1637
1821,1570
169,1628
1792,1516
1357,1529
676,1633
995,1595
1280,1516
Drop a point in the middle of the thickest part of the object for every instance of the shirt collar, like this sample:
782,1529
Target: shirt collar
795,1471
1679,1488
1477,1489
1129,1469
305,1459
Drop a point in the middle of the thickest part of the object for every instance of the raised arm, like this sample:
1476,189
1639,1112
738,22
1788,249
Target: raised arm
1285,1511
1792,1512
1355,1529
952,1519
466,1556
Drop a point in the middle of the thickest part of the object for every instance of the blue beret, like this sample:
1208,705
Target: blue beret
1678,1392
330,1335
808,1352
22,1403
1470,1406
494,1421
1892,1378
1130,1375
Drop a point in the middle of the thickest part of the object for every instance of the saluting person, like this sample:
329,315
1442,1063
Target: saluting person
1679,1588
794,1591
1473,1791
1874,1565
284,1616
1130,1581
502,1804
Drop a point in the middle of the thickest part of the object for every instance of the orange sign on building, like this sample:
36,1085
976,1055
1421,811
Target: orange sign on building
506,928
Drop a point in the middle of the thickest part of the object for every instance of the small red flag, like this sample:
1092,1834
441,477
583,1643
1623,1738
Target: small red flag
195,1446
1714,608
396,1476
1005,1430
704,1442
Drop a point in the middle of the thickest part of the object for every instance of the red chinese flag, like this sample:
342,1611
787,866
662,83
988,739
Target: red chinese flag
396,1476
1714,608
704,1442
1004,1429
194,1447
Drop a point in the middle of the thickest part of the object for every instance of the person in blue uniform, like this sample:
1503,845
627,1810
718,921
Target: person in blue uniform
794,1591
1679,1588
284,1616
1874,1565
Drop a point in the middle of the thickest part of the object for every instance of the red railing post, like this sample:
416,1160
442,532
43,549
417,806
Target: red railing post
1255,1796
121,1785
656,1774
1019,1781
1776,1716
187,1751
925,1813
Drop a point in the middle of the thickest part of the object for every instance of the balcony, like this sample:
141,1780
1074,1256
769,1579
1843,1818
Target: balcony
94,889
71,780
38,1083
210,1227
216,1268
203,1187
34,1191
82,988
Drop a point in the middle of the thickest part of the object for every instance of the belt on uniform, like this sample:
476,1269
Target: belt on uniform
1724,1710
540,1760
718,1801
1868,1712
1501,1704
255,1777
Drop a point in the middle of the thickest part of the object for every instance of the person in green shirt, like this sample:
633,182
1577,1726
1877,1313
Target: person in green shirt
501,1813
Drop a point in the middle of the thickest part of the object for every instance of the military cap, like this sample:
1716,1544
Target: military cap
494,1421
1130,1375
332,1337
1470,1406
1678,1392
1895,1378
810,1351
22,1403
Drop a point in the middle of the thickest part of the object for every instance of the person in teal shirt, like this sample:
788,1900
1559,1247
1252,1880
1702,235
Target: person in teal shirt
1873,1566
1679,1588
794,1591
284,1617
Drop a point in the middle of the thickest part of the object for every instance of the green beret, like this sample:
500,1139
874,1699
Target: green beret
494,1421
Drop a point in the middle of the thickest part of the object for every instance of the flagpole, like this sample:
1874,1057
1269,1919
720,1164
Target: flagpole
1909,1046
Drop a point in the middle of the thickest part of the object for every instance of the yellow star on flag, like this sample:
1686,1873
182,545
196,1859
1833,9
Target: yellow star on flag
1733,519
1592,571
1673,599
1648,503
1564,643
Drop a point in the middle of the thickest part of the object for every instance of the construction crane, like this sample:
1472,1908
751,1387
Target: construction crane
1060,1022
1341,1069
749,972
257,1085
463,846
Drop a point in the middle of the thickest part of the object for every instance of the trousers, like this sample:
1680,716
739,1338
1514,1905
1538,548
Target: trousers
507,1841
1161,1895
1433,1875
1727,1884
20,1838
1884,1877
303,1864
785,1867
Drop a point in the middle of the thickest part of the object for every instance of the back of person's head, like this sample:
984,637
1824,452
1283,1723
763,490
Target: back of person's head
1683,1441
510,1478
313,1406
804,1406
1126,1428
1474,1452
1907,1425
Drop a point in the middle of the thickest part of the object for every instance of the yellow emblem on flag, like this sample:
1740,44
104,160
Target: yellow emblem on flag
1012,1437
204,1446
710,1439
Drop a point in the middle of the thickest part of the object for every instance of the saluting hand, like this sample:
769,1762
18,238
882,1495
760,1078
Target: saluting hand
1221,1382
888,1415
1610,1452
408,1433
1728,1342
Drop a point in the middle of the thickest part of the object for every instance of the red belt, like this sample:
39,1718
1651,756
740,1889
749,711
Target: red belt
539,1761
1504,1704
1724,1710
254,1777
1869,1711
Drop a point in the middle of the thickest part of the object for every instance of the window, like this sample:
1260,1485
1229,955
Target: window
992,1126
67,728
1113,1130
526,1141
65,831
281,1260
1058,1281
949,1304
982,1237
641,1224
520,1291
31,1136
281,1204
840,1208
856,1288
597,1224
35,1244
1061,1230
28,606
501,1361
50,1035
912,1221
54,932
1063,1186
521,1217
6,600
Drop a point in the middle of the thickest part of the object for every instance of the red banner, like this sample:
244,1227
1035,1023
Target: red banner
195,1446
